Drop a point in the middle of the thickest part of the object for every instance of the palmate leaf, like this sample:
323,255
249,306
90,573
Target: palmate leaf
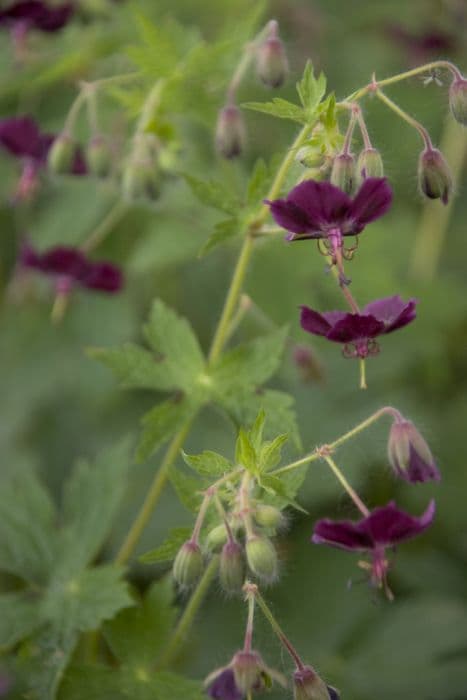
208,463
168,549
188,488
283,109
311,90
135,367
162,422
213,194
223,231
19,617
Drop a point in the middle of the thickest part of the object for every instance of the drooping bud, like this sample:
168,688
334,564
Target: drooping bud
343,172
217,537
458,100
369,164
230,132
409,454
434,175
61,155
247,667
271,63
188,565
261,557
268,516
232,567
99,156
308,685
141,179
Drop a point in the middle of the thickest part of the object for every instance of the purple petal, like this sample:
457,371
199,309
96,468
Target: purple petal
20,136
372,200
324,204
103,276
355,327
35,13
388,525
29,257
313,322
393,311
344,534
418,469
64,260
333,694
289,216
224,688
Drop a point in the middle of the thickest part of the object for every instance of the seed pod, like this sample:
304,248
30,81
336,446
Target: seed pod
458,100
268,516
343,172
434,175
369,164
217,537
409,455
99,156
188,565
271,62
230,132
261,557
61,155
232,567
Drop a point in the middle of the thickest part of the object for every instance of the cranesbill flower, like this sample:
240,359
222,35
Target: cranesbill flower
321,211
384,527
409,454
36,14
357,331
246,672
70,267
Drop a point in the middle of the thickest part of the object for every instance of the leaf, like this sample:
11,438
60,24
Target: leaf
161,423
168,686
135,367
160,49
223,231
311,90
172,337
245,453
213,193
19,617
255,433
188,489
271,452
328,112
138,634
208,463
275,486
279,108
51,651
168,549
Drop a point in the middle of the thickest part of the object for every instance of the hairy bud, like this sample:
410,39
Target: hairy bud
369,164
188,565
271,63
434,176
268,516
307,685
458,100
309,156
99,156
262,558
247,668
230,132
217,537
232,567
409,454
343,172
61,155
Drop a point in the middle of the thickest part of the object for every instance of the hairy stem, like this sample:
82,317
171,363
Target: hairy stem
278,630
347,487
406,117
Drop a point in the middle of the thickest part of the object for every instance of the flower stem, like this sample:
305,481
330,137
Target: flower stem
104,228
406,117
249,624
347,487
362,363
278,630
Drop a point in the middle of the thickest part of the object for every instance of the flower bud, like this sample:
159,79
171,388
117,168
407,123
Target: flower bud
99,156
232,567
247,667
409,454
458,100
343,172
271,64
140,179
309,156
217,537
268,516
188,565
230,132
261,557
61,155
369,164
434,176
308,685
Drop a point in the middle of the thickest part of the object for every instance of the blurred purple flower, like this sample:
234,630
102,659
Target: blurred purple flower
385,526
423,46
223,686
70,266
36,14
357,331
246,672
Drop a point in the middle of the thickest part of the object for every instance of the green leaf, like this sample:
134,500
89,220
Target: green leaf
19,617
213,194
188,489
138,634
208,463
279,108
51,652
161,423
245,453
328,112
256,431
168,686
271,452
172,338
160,49
135,367
168,549
275,486
311,90
223,231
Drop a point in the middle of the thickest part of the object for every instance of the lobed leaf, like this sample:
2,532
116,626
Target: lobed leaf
279,108
135,367
168,549
208,463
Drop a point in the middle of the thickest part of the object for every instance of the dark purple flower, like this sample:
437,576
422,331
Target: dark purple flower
36,14
385,526
409,454
70,266
321,211
357,331
246,672
223,686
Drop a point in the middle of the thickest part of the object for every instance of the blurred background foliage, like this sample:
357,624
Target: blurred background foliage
58,404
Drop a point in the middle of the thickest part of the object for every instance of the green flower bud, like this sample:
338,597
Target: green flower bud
309,156
61,155
99,156
262,558
268,516
272,65
217,537
230,132
232,567
434,176
343,172
307,685
140,179
369,164
458,100
188,565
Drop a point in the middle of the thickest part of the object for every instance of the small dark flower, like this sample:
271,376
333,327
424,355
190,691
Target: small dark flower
409,454
358,331
321,211
246,672
385,526
70,266
36,14
223,686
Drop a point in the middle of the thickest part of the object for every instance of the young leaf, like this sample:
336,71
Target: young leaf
275,486
168,549
223,231
245,453
279,108
188,489
256,431
135,367
311,90
213,194
270,455
161,423
208,463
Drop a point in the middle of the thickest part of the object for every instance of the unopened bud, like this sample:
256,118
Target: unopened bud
141,179
369,164
434,175
262,558
232,567
458,100
61,155
188,565
343,172
409,454
308,685
268,516
272,65
230,132
217,537
309,156
99,156
247,667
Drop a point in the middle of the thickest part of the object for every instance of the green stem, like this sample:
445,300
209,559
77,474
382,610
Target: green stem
362,363
72,115
188,615
347,487
406,117
104,228
278,630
